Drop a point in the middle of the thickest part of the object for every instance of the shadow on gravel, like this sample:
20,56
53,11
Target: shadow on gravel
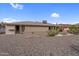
75,48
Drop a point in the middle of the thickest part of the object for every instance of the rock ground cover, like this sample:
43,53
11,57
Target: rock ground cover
37,45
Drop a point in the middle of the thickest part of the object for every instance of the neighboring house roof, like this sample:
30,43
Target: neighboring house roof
63,25
30,23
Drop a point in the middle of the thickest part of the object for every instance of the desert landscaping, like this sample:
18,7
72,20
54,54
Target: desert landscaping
39,29
40,41
38,45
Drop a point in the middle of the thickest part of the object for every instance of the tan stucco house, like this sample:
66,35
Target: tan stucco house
26,27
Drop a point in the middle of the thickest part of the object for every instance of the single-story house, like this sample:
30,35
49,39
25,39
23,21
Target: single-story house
30,27
26,27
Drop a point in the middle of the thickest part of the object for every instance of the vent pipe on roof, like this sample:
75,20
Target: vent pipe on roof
44,21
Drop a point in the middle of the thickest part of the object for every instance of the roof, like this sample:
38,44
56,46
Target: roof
30,23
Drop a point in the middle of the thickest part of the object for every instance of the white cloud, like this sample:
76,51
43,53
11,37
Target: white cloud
9,20
55,15
16,6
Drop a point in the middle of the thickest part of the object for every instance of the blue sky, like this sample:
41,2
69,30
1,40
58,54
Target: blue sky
52,12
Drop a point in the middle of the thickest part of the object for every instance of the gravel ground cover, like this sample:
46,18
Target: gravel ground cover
36,45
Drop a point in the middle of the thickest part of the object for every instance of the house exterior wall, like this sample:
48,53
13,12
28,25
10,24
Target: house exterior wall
35,29
10,29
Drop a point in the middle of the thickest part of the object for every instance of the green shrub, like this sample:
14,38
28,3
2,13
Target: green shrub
73,29
53,32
